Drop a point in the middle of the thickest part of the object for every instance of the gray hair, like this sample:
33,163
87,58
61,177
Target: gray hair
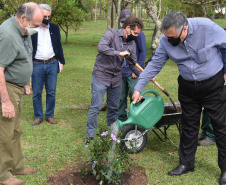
26,9
46,7
174,19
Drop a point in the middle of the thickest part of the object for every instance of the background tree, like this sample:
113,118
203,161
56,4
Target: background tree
9,7
67,13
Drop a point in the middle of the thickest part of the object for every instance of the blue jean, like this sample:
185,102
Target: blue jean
44,73
113,98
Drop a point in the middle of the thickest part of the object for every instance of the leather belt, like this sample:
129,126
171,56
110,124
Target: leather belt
14,84
44,61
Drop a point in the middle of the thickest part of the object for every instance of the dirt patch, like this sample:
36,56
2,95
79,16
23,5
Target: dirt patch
72,176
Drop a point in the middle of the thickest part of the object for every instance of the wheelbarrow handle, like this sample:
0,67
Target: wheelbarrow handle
141,69
153,80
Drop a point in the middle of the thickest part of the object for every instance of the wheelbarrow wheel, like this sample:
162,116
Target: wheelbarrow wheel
132,139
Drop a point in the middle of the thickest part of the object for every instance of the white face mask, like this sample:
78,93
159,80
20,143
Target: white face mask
121,24
31,31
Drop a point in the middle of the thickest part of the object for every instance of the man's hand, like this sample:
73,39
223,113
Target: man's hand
7,106
124,53
27,89
136,96
8,110
134,76
224,79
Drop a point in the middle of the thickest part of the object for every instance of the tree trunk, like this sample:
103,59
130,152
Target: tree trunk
112,15
104,13
96,11
152,11
117,23
139,9
66,34
109,14
91,10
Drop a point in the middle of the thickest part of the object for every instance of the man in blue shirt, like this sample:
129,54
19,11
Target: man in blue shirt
129,79
194,44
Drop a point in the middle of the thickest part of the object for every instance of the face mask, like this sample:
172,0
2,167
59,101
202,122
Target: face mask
45,21
130,37
175,41
121,24
31,31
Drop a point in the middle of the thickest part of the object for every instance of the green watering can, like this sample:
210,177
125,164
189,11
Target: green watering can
146,113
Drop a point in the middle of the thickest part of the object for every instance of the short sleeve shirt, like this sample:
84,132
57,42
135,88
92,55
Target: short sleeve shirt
16,52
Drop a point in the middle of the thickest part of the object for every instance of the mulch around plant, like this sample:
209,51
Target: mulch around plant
72,176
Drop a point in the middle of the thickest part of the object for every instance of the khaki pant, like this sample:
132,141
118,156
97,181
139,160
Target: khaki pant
11,157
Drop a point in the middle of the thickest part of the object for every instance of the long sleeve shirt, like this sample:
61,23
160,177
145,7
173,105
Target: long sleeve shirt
108,66
198,57
140,52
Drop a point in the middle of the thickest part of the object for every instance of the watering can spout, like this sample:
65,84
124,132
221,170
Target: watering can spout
120,124
145,113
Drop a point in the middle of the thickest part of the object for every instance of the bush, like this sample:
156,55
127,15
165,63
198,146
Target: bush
108,159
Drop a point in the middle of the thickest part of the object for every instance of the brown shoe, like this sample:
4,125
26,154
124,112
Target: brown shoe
12,181
51,120
37,122
26,171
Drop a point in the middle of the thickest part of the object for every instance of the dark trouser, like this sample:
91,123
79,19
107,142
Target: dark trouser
211,95
128,84
207,128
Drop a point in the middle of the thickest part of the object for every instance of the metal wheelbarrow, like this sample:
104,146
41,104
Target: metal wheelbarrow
149,114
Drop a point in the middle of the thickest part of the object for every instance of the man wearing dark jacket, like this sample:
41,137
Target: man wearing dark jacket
129,79
48,59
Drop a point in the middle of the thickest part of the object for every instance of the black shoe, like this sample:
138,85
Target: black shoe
222,180
87,141
181,169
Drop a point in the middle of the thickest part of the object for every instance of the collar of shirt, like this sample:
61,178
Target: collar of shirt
47,27
16,24
190,28
120,30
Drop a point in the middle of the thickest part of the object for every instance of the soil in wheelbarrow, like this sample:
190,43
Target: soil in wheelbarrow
72,176
171,110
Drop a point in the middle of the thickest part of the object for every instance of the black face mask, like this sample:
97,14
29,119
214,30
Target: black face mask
175,41
45,21
130,37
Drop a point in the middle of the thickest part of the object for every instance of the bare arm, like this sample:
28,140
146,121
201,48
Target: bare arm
7,106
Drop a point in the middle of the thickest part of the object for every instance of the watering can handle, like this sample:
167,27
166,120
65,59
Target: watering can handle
145,92
149,91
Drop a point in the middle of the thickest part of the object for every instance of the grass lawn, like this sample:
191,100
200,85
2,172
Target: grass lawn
50,148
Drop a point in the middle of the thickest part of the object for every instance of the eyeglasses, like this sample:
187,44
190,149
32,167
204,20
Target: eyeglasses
26,45
45,17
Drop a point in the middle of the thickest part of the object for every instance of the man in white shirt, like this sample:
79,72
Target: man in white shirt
47,52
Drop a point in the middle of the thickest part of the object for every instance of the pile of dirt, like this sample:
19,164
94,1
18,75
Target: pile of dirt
72,176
